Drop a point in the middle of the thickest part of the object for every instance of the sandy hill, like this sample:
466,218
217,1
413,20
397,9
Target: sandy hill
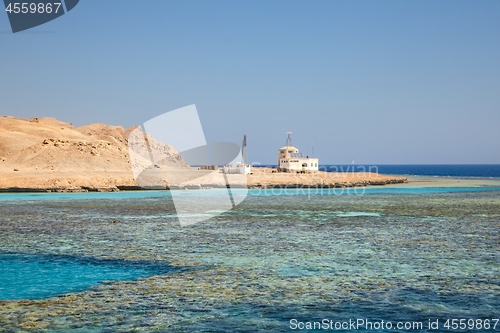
49,154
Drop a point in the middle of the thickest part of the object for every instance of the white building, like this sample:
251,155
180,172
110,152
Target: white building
290,159
240,167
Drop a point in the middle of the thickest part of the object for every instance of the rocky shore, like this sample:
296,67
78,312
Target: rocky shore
267,178
264,178
123,181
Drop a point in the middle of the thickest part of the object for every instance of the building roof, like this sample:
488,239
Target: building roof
289,147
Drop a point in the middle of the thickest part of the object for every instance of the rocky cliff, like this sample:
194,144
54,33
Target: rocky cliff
47,154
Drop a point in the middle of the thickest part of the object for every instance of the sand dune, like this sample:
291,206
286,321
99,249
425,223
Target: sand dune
50,154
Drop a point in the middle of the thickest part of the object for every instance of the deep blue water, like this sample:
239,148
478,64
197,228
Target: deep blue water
443,170
37,276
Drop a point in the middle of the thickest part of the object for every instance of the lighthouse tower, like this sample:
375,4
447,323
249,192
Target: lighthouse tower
291,160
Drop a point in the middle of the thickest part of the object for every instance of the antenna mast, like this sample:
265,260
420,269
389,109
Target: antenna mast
289,139
244,156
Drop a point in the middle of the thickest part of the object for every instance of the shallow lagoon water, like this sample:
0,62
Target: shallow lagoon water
38,276
383,256
255,192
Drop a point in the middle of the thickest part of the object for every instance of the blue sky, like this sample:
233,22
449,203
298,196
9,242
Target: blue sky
375,82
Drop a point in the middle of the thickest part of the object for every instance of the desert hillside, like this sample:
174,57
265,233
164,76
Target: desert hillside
49,154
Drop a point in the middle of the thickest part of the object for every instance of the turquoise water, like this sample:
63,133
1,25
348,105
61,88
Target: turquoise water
254,192
37,276
405,255
83,196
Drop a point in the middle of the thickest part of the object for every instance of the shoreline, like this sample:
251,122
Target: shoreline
75,181
68,181
194,187
356,180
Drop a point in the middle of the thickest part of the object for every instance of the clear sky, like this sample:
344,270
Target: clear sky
375,82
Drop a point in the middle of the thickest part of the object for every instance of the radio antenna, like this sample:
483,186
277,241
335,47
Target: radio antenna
244,156
289,139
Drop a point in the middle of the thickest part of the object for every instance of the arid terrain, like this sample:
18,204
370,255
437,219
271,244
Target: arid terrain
49,155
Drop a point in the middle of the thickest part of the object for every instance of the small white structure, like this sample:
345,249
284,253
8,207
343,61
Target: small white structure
290,159
240,167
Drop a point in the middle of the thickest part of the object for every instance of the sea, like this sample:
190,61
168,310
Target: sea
432,170
386,259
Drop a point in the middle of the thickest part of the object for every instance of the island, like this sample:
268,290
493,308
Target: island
45,154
